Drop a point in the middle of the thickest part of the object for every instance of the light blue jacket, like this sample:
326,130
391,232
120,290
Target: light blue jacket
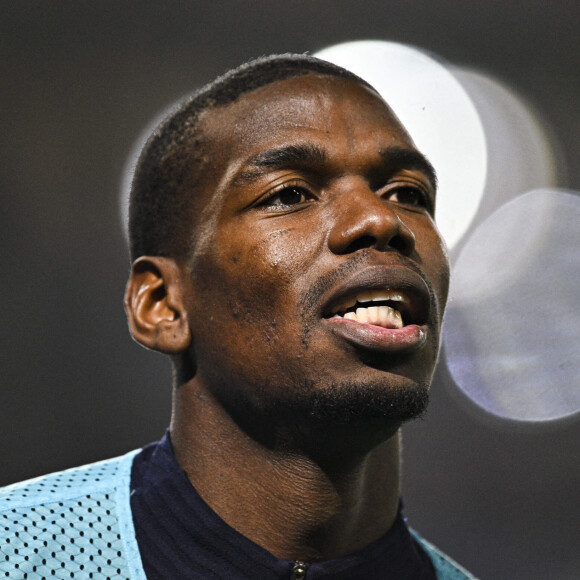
77,524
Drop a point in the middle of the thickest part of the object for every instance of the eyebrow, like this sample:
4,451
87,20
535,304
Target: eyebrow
401,158
290,155
309,156
301,156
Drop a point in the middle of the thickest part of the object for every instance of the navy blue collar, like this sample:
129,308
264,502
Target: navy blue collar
180,536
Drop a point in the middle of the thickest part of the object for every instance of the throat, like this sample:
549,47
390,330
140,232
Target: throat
300,512
296,506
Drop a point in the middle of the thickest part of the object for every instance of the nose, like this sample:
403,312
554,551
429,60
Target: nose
363,220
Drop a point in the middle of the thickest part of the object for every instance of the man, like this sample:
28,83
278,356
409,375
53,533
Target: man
285,257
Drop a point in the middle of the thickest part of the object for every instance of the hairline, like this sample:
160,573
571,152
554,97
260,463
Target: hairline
183,133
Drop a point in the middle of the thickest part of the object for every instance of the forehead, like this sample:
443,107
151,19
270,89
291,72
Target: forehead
314,107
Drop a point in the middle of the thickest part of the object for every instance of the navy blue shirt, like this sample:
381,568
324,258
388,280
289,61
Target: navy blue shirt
180,536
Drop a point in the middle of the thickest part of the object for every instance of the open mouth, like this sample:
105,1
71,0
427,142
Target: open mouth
384,308
380,308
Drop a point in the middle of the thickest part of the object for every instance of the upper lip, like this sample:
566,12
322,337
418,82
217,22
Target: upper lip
415,307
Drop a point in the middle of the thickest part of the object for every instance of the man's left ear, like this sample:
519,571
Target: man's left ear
155,307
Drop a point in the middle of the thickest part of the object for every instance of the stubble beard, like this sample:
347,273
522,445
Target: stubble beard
353,402
346,418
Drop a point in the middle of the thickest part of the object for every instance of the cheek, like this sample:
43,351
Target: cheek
440,276
434,261
284,255
443,268
245,303
272,254
253,279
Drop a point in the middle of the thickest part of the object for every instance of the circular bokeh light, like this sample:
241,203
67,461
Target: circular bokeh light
512,328
520,149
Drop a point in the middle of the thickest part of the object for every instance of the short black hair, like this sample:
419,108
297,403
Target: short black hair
166,175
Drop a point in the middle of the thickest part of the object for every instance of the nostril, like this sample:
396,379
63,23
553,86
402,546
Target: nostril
401,244
361,243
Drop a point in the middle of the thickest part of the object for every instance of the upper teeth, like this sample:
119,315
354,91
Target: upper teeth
371,296
384,316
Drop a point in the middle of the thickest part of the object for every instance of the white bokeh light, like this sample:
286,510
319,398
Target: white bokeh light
512,326
520,149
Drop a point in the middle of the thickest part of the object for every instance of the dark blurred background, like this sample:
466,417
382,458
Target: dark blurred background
80,81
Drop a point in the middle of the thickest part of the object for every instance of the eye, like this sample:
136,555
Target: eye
408,195
289,195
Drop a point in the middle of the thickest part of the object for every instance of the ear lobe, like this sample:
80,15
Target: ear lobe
155,306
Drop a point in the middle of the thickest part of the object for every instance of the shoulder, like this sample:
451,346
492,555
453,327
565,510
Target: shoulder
74,521
67,484
445,567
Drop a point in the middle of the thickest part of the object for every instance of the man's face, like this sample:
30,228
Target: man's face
317,279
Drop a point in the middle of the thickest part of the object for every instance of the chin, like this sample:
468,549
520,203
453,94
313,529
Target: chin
352,418
351,403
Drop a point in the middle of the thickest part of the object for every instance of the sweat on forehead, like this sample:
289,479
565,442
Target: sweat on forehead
167,180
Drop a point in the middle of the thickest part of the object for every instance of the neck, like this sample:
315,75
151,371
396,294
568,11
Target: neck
294,505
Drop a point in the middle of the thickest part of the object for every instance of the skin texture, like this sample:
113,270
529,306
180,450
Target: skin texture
285,419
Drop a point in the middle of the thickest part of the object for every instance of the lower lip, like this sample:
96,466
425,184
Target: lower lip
388,340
